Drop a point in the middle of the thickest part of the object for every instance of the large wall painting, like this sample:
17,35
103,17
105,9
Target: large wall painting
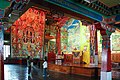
70,38
116,42
76,37
27,34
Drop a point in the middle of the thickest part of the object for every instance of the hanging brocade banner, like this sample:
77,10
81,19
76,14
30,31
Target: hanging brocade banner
92,42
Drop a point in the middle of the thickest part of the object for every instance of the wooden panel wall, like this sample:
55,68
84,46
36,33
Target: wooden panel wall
59,68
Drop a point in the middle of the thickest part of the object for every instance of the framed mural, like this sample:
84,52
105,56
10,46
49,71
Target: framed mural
115,42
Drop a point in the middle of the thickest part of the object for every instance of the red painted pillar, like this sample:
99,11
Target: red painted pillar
106,56
58,41
1,53
1,47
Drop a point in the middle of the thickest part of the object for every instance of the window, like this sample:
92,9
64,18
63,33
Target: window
6,51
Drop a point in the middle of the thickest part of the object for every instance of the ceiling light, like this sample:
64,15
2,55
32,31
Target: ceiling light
6,41
90,1
9,15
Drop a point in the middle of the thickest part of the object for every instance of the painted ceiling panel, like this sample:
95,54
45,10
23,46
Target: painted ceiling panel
110,3
4,4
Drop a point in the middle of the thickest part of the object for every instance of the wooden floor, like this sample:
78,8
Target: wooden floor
19,72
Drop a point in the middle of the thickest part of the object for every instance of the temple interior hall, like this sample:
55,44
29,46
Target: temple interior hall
77,39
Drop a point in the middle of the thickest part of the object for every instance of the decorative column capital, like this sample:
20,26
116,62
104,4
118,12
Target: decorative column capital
108,33
109,20
105,32
58,29
107,27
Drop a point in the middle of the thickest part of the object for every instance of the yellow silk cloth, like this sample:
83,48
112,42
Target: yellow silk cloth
85,43
86,57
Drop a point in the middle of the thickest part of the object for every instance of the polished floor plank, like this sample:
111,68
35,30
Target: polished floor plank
19,72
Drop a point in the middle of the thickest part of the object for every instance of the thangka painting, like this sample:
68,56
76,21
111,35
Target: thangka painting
116,42
27,34
76,36
70,37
